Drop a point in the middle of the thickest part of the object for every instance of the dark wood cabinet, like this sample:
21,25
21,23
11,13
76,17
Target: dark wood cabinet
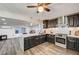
26,44
42,38
75,17
77,44
70,21
30,42
37,40
73,43
73,20
50,23
45,23
51,38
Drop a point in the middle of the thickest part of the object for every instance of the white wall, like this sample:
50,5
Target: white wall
9,32
37,28
9,14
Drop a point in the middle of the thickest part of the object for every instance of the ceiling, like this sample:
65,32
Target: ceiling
14,22
57,9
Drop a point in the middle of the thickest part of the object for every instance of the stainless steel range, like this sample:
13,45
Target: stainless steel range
60,40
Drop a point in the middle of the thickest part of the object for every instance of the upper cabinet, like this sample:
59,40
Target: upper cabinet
62,21
50,23
45,23
73,20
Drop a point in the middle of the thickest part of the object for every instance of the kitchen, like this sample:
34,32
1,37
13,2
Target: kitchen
28,31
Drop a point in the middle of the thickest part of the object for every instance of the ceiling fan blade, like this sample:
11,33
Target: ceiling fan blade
31,6
47,3
46,9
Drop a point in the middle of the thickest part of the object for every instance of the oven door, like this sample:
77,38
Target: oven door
60,40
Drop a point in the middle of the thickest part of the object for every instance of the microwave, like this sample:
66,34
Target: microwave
3,37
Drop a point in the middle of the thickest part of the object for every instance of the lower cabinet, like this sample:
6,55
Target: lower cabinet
77,44
37,40
30,42
26,44
42,39
51,38
73,43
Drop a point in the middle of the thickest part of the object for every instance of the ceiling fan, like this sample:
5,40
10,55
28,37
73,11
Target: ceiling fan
41,7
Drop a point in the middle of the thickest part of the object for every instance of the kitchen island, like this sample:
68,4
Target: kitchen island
14,45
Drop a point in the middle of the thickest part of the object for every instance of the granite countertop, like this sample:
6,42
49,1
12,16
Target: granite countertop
25,35
73,36
14,37
28,35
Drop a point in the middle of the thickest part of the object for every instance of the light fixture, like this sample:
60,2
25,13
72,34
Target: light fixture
40,9
5,23
5,26
31,24
3,19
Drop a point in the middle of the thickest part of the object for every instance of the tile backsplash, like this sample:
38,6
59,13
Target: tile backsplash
64,30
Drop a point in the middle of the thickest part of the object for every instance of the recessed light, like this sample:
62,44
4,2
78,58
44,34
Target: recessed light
5,23
31,24
3,19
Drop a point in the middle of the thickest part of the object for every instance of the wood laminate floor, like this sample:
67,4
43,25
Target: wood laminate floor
49,49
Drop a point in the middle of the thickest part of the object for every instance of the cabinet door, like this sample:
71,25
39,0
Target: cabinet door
78,20
50,23
71,43
32,42
45,24
55,22
77,45
43,38
51,39
26,44
75,20
70,21
37,40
